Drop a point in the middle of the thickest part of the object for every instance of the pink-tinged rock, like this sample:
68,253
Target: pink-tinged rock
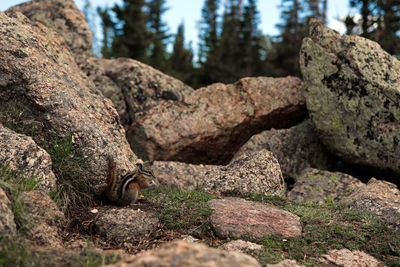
213,122
63,17
133,87
345,257
186,254
22,155
38,73
238,218
380,198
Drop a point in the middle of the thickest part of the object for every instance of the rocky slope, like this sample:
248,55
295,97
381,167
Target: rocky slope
63,115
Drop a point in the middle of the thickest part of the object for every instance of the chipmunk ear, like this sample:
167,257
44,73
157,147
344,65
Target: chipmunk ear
139,166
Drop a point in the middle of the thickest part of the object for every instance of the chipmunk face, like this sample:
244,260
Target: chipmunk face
145,177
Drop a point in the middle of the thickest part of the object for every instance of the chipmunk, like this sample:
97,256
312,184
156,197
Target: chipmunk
126,190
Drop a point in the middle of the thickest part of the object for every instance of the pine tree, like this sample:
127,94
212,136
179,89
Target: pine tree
158,58
251,42
209,41
282,59
132,38
229,45
181,60
380,21
108,27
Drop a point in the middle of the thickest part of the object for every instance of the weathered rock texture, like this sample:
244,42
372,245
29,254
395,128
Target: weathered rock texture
380,198
345,257
257,172
241,218
180,174
352,94
125,225
187,254
240,245
26,158
65,18
319,186
38,72
285,263
7,224
133,87
45,219
252,172
296,148
211,123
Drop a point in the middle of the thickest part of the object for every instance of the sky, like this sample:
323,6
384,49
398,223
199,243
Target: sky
189,11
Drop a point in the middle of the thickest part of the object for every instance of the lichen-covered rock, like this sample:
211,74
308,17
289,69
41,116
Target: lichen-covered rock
352,94
7,224
240,218
252,172
187,254
125,225
296,148
22,155
45,219
345,257
38,73
319,186
65,18
133,87
213,122
380,198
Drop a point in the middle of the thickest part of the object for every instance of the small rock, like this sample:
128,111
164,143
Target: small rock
347,258
7,224
238,217
240,245
319,186
26,158
380,198
285,263
190,238
46,220
187,254
296,148
125,225
252,172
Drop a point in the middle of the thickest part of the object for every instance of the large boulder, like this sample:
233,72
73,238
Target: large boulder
38,73
133,87
65,18
212,123
352,94
22,155
295,148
